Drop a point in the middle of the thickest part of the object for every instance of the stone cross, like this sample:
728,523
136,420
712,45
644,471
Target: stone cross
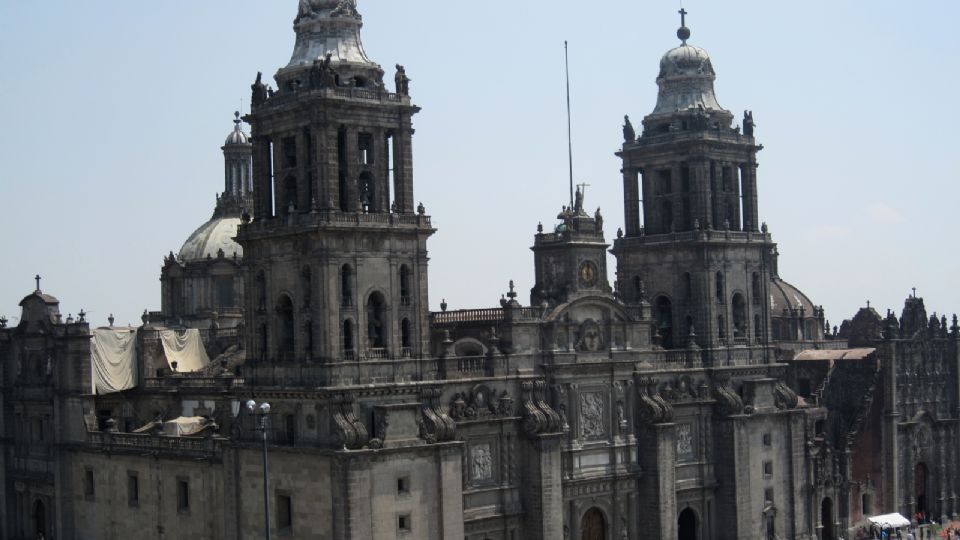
37,277
683,16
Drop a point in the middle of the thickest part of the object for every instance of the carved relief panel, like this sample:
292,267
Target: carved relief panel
592,415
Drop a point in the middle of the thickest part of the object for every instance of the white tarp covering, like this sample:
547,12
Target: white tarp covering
185,348
184,425
892,520
113,355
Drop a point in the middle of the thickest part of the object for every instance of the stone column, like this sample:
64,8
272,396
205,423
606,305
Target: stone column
262,176
403,167
451,493
887,355
543,489
738,217
657,491
748,179
631,201
702,209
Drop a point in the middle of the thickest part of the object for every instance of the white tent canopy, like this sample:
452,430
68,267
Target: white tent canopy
891,520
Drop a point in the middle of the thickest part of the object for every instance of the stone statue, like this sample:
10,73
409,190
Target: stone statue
259,91
322,74
748,124
346,8
402,81
599,219
629,134
578,202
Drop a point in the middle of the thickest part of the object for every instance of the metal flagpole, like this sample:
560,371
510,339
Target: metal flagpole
566,57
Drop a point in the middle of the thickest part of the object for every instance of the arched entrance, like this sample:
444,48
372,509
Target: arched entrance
826,519
920,478
39,519
593,526
687,525
376,321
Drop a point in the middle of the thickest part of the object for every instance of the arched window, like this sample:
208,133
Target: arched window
866,508
720,287
689,329
755,288
721,328
376,322
638,288
367,192
308,339
757,331
405,333
263,340
289,195
687,286
285,338
666,215
739,316
665,321
346,286
404,285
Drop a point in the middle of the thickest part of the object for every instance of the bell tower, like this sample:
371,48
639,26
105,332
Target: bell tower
693,245
336,251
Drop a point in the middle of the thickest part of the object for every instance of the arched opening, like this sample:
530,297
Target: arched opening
405,333
308,339
263,340
404,285
666,214
346,286
755,291
347,337
687,525
39,519
688,327
721,286
637,288
866,504
289,195
665,321
261,286
739,316
687,286
920,480
367,193
757,331
593,526
826,519
721,327
376,321
285,327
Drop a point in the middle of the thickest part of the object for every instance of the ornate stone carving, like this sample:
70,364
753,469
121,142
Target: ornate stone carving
591,415
784,396
481,462
538,417
435,424
685,441
349,432
728,402
591,336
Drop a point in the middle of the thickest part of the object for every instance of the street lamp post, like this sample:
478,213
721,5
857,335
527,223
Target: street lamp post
262,411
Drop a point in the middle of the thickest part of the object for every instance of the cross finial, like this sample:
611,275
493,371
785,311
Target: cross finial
868,304
683,33
914,292
683,16
37,277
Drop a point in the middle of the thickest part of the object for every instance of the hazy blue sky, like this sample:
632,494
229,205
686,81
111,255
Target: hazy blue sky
114,112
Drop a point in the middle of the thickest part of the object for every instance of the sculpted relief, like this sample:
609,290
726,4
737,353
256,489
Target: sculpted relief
684,442
481,462
591,415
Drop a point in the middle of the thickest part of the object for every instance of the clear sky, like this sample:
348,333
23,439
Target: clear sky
114,112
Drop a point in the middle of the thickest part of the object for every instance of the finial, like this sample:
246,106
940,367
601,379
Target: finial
82,315
683,33
914,291
236,120
3,321
868,304
110,319
37,277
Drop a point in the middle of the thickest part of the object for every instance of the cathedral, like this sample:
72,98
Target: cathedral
294,383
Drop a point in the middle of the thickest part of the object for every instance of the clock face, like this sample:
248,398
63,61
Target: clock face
588,274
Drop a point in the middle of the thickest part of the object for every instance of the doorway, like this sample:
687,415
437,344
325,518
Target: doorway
826,519
593,526
687,525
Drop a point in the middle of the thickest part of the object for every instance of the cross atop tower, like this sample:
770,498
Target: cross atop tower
683,16
37,277
683,33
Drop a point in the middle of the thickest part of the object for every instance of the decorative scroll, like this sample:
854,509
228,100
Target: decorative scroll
349,431
435,424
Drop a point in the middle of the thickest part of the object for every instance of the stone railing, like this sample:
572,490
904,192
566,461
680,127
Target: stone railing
182,382
322,218
204,447
467,315
705,235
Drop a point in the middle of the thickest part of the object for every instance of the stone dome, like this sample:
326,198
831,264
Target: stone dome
686,61
213,236
686,82
237,136
784,295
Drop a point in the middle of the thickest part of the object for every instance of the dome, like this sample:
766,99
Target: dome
686,61
686,82
213,236
784,295
237,136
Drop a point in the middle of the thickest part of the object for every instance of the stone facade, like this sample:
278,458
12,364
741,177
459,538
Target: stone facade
662,407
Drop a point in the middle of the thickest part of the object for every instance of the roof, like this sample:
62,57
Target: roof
212,236
835,355
784,295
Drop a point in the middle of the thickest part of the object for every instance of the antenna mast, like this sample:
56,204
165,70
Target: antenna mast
566,57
